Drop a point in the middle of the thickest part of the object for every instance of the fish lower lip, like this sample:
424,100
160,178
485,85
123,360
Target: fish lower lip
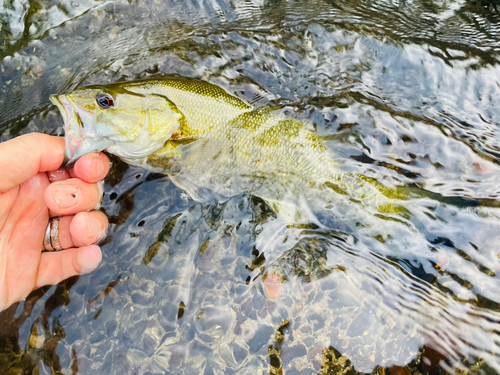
72,145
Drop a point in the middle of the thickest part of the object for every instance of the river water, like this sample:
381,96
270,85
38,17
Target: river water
406,93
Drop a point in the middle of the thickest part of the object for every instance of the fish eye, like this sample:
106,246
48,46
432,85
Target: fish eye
105,101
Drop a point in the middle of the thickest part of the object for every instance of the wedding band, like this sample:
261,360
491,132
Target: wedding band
54,234
51,240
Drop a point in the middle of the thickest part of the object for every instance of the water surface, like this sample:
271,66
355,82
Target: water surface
407,93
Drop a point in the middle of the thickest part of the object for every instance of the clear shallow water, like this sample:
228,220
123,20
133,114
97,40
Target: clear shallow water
406,93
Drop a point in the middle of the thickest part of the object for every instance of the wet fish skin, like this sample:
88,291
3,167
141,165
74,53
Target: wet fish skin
204,137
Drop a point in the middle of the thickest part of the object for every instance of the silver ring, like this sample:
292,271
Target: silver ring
46,241
51,241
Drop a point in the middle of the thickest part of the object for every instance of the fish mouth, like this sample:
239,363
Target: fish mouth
73,127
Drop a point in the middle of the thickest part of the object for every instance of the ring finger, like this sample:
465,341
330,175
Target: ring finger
84,228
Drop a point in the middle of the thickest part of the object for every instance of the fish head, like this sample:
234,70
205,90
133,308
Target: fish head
126,123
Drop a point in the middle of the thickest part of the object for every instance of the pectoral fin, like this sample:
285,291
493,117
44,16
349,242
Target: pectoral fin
198,194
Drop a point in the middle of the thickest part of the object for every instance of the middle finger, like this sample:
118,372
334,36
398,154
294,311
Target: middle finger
71,196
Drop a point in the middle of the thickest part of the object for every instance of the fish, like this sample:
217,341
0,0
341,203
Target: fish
208,141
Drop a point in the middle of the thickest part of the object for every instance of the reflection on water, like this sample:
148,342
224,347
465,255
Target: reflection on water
406,93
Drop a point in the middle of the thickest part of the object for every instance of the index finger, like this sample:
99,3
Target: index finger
23,157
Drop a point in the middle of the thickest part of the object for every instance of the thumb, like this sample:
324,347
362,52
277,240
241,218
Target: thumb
23,157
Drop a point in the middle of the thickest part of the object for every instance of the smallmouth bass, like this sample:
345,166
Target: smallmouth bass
205,138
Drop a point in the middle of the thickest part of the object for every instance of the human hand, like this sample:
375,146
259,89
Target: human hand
32,189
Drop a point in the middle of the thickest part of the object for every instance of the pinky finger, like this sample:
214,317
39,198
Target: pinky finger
57,266
58,175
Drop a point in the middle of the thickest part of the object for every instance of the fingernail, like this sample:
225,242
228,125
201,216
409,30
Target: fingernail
100,186
94,228
89,258
97,167
65,196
